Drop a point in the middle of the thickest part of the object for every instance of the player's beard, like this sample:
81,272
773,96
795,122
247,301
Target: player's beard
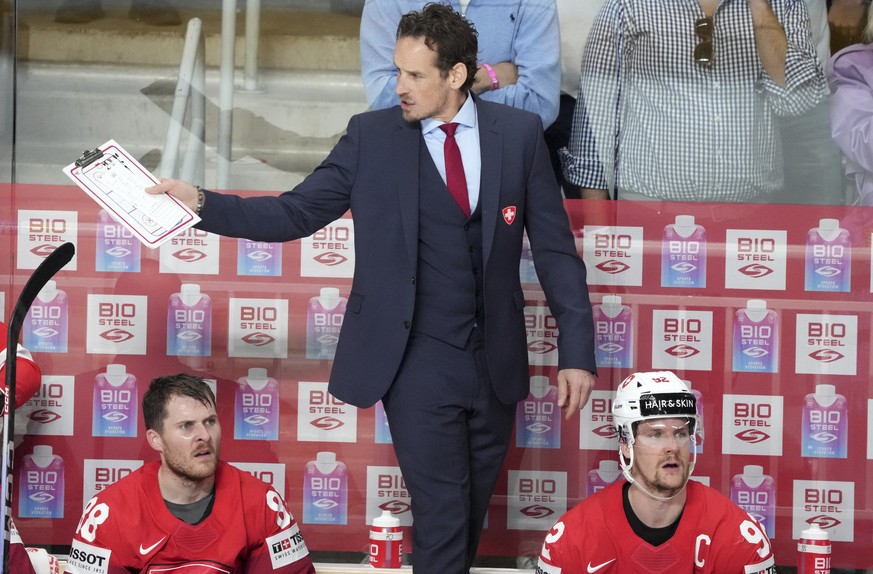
191,468
661,485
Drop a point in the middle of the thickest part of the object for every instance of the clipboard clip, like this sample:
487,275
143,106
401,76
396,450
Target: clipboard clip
89,156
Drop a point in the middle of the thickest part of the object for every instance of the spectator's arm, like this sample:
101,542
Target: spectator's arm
588,193
379,22
537,58
770,40
588,160
803,83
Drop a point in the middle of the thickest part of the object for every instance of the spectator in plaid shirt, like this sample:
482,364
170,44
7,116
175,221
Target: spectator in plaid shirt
678,100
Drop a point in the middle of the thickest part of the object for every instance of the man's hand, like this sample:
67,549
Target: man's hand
574,388
184,192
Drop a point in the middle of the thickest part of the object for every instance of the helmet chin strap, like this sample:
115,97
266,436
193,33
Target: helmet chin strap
626,467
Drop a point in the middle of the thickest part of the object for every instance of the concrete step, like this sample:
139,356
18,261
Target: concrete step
280,133
290,39
114,78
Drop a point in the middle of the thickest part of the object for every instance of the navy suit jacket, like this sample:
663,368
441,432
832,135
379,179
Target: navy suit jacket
374,171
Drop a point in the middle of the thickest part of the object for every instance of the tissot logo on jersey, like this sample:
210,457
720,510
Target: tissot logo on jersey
829,504
286,547
87,559
614,255
535,498
755,259
117,324
329,252
827,344
323,417
752,424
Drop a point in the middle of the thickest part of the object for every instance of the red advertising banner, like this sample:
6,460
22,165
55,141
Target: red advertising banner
764,309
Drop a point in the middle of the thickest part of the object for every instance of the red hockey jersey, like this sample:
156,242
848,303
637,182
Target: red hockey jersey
127,529
19,560
714,536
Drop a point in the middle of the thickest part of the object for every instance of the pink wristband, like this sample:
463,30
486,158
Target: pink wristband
495,81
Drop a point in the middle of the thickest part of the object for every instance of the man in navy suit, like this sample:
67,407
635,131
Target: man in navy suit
434,325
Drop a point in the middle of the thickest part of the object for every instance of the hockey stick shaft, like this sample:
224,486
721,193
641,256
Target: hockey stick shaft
53,263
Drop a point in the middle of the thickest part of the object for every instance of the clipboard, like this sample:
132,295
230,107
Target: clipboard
116,181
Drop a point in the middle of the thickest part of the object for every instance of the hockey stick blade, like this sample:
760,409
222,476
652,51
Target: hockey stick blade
53,263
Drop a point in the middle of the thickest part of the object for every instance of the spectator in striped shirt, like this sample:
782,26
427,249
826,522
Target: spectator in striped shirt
678,101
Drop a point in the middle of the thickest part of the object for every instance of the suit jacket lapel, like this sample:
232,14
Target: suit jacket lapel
406,158
491,150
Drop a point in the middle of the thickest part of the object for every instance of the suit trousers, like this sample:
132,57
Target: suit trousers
451,434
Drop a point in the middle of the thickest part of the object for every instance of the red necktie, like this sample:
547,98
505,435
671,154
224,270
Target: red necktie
455,178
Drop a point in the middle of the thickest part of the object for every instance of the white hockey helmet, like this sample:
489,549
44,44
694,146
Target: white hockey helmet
653,395
647,396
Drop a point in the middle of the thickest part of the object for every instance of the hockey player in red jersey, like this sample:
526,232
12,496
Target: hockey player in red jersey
27,381
657,521
190,513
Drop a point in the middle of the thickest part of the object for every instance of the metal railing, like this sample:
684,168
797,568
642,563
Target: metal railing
226,86
191,87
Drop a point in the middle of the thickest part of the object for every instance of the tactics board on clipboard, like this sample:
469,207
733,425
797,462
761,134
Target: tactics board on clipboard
117,181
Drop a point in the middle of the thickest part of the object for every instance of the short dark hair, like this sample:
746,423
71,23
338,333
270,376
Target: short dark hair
162,389
450,35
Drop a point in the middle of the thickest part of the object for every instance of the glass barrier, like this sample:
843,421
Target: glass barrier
763,308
